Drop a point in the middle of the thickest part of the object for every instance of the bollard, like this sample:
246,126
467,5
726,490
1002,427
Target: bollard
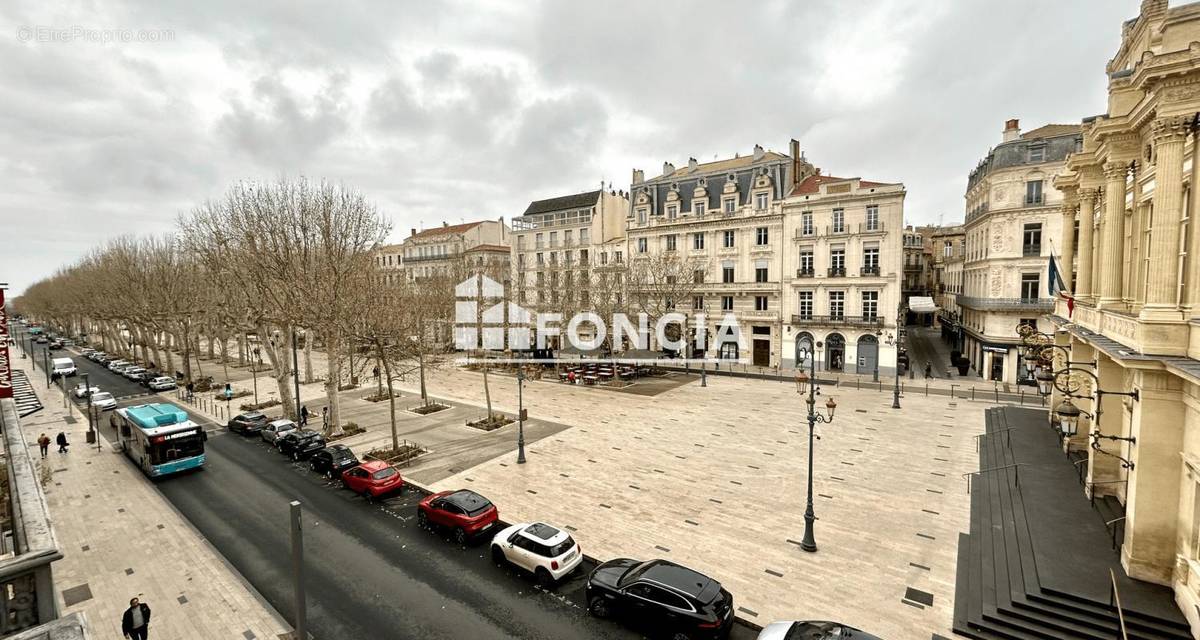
926,389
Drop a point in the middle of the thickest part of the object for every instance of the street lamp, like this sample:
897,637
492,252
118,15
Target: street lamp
1068,414
809,383
520,416
878,335
257,362
896,390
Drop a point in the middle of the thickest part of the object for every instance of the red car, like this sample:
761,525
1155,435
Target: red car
372,479
464,512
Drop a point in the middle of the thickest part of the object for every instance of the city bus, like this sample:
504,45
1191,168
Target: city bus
160,438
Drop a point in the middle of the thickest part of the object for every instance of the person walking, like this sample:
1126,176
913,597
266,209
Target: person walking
928,370
324,417
135,624
44,443
304,415
61,440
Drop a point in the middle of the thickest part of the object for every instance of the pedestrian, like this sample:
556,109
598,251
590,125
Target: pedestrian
61,440
44,443
191,389
324,417
304,415
928,370
571,377
135,624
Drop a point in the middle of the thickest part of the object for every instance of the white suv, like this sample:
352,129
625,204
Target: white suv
547,552
118,365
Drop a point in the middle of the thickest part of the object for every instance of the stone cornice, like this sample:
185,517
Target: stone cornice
1171,128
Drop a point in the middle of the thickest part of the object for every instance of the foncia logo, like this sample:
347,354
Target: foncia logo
480,311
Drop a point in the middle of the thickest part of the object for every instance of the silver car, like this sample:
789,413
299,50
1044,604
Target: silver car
273,430
104,401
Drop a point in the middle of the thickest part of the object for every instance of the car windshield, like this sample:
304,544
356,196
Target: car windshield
384,473
562,547
821,631
100,397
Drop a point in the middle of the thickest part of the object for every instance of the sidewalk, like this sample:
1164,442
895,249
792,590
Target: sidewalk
122,539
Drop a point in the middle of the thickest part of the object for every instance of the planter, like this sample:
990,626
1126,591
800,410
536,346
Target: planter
427,409
250,406
497,421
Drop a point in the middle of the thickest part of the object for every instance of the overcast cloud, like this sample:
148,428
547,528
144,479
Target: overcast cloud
451,111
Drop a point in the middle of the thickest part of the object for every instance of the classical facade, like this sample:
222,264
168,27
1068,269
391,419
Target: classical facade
724,220
842,273
435,250
947,253
1013,209
915,282
1136,288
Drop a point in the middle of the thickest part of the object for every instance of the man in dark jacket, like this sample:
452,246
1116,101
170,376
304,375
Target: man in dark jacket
135,624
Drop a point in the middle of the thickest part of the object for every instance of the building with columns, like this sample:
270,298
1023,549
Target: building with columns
1013,209
948,249
1136,311
437,249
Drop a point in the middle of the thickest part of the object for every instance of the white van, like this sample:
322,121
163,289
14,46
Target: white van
62,367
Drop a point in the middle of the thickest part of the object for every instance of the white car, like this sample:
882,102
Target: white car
133,373
812,629
545,551
117,365
62,367
82,390
104,400
273,430
162,383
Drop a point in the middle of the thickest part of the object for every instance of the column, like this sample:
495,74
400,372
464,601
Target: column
1113,240
1087,209
1152,501
1193,279
1105,470
1068,236
1161,286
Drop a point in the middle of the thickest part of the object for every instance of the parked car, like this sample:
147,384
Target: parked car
812,630
62,367
545,551
54,345
668,598
118,365
273,430
333,460
373,479
298,444
464,512
42,339
87,352
97,356
82,390
162,383
104,400
134,373
248,424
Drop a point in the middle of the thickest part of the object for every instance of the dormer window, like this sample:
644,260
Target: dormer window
642,212
729,204
698,208
1037,154
760,200
672,211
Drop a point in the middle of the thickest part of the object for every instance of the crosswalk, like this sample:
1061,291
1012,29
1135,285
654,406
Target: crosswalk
26,399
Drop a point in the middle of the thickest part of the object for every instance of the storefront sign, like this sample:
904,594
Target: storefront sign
995,349
6,389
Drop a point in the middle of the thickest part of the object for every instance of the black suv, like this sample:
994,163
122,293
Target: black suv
332,461
666,598
301,443
249,423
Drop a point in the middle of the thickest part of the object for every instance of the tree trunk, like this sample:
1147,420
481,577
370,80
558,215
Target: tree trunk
333,377
421,363
387,373
280,361
209,335
487,392
308,368
241,344
170,356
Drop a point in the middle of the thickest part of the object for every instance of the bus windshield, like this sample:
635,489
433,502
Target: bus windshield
176,448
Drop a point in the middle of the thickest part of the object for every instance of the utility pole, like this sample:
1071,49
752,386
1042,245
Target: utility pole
298,573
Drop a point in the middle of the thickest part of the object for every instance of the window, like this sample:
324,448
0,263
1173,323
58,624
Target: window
730,204
537,243
567,238
553,238
948,249
603,257
870,305
806,305
760,201
871,260
540,260
761,236
641,215
1032,239
837,260
520,260
583,236
697,240
698,207
641,245
839,221
697,303
728,240
760,303
619,256
872,217
583,256
806,262
726,274
671,242
1033,192
1030,285
837,305
672,211
698,276
806,223
726,303
760,274
1037,154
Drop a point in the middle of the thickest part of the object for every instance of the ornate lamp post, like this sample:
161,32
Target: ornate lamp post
896,389
1068,414
520,416
809,383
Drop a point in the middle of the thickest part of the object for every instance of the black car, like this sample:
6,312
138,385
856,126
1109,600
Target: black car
665,598
298,444
248,424
332,460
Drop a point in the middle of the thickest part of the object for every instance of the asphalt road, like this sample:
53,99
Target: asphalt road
370,571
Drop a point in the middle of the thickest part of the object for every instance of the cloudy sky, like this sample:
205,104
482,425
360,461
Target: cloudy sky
451,111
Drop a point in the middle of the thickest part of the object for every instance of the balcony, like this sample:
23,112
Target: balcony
805,234
443,256
805,273
871,227
1031,250
869,270
1007,304
1037,199
837,272
808,320
837,230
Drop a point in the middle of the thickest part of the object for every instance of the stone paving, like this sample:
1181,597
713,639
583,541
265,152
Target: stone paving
121,539
715,478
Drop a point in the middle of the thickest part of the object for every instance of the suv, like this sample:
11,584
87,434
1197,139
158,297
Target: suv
298,444
162,383
372,479
545,551
118,365
248,424
672,599
275,429
134,373
332,461
464,512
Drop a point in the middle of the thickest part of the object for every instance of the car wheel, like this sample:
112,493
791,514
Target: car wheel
422,520
328,474
344,484
544,579
366,494
295,457
460,536
598,607
498,555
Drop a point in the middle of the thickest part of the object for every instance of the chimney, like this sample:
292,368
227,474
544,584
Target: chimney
692,164
668,168
794,149
639,177
758,152
1012,130
413,232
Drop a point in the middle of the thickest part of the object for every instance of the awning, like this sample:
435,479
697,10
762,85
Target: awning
921,304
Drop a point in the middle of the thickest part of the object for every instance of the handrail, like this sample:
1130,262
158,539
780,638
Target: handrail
1115,596
1015,465
979,437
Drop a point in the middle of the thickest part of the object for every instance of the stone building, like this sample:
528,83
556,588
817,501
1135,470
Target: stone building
437,249
842,271
947,253
1012,211
914,282
725,218
1136,293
